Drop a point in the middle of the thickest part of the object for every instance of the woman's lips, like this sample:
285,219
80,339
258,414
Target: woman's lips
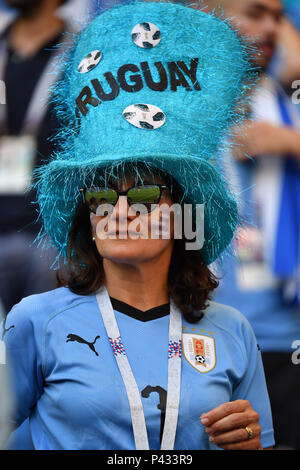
126,234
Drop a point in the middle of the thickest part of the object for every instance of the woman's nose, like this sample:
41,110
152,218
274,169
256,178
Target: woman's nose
121,209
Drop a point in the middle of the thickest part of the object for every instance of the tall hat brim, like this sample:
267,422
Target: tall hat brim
201,183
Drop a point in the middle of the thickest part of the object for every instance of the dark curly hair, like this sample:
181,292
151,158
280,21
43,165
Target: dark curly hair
190,281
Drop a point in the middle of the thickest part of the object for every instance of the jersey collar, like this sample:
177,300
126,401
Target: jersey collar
148,315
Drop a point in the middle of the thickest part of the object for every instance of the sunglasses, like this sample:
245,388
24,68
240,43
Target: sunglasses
146,194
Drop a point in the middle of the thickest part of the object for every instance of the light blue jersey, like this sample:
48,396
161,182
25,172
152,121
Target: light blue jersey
67,381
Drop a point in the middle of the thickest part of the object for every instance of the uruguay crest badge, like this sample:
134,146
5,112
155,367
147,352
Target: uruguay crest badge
199,351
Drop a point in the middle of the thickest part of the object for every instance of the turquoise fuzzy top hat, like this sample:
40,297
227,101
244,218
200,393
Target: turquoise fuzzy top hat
151,82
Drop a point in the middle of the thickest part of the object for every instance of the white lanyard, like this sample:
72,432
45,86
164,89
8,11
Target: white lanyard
133,394
40,98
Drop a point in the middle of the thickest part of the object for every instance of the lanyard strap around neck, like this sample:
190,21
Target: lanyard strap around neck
133,394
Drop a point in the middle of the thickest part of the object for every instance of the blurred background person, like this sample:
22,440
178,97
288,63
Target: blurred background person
292,9
28,49
5,15
263,279
286,66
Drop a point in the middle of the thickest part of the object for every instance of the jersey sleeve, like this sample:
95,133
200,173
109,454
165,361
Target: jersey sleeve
252,386
23,337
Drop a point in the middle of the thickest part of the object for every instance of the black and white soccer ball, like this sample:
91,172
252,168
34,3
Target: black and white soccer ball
90,61
144,116
200,359
146,35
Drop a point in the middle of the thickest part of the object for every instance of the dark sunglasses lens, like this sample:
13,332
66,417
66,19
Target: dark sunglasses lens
95,198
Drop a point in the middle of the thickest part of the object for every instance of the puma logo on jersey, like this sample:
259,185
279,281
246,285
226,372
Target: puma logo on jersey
72,337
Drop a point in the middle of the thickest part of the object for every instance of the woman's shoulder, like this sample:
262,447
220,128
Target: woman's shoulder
229,319
26,324
38,307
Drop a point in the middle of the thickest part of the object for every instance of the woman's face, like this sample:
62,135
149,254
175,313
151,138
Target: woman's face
127,236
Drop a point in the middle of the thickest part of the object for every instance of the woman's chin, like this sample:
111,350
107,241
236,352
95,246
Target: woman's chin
131,251
121,250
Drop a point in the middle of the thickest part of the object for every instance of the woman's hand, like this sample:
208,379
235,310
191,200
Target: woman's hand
257,138
226,426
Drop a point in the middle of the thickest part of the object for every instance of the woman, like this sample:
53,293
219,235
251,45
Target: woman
130,353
